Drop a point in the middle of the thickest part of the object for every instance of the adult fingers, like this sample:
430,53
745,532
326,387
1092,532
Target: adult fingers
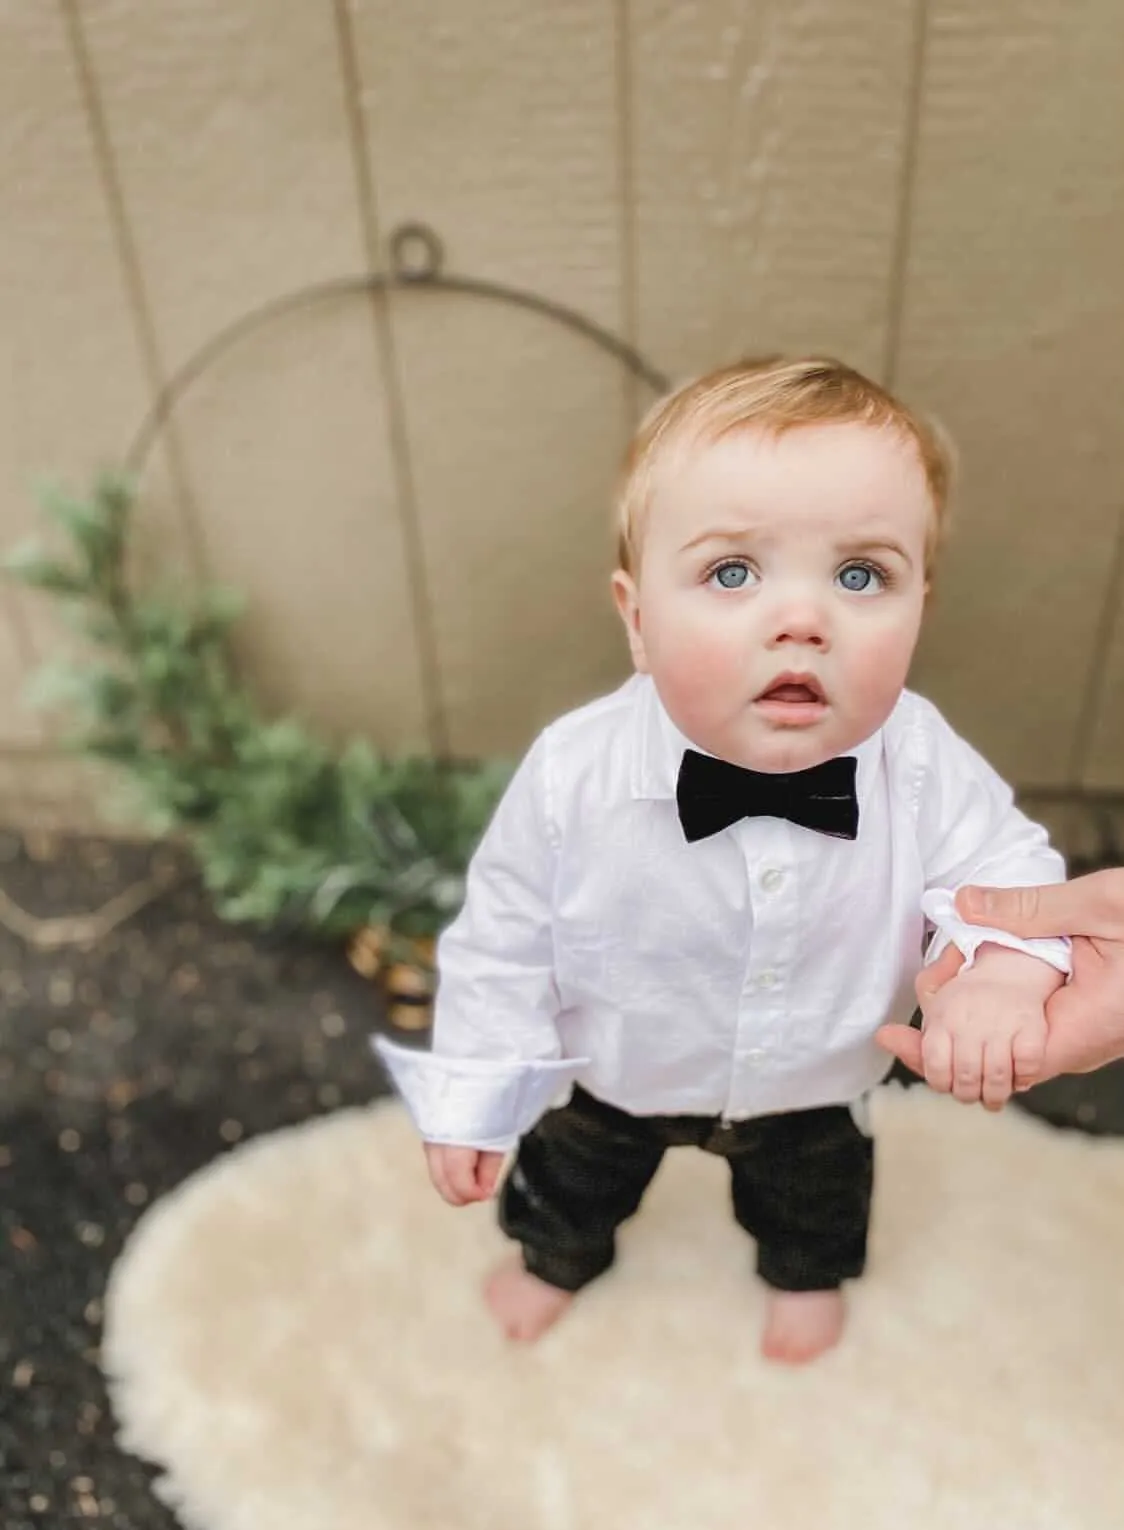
1086,1031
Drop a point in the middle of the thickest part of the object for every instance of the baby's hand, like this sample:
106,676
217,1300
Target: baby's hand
984,1032
462,1174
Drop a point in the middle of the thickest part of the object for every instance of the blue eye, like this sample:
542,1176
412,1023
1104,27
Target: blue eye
731,576
860,579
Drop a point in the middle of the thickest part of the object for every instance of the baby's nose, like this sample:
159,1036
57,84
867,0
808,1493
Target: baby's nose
801,621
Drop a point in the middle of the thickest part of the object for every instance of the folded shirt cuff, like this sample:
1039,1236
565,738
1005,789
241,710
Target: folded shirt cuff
939,908
473,1101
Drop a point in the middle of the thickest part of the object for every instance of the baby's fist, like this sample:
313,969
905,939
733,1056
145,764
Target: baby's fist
462,1174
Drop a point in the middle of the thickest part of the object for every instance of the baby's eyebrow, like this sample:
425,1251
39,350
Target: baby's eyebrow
738,534
876,545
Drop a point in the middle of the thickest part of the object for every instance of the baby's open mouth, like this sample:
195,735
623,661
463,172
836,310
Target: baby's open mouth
793,689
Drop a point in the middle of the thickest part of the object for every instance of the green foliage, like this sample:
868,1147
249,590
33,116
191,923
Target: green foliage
285,832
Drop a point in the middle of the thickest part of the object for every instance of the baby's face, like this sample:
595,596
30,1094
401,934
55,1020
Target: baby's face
780,590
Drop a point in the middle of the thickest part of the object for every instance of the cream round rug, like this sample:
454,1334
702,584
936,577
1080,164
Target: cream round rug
295,1335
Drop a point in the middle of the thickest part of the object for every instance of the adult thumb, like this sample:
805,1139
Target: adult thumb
902,1042
1025,911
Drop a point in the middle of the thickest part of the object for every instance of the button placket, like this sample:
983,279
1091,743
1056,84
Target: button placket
767,848
770,880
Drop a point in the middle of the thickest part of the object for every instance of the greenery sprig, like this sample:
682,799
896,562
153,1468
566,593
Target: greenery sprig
285,831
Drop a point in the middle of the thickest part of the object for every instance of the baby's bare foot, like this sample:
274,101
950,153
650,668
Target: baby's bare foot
522,1304
801,1324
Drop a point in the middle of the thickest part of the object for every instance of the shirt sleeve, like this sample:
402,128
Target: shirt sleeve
496,1060
971,832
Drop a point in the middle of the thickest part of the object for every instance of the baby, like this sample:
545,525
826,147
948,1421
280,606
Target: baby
703,895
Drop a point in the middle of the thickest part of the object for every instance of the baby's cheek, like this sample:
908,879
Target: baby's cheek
699,676
704,661
877,673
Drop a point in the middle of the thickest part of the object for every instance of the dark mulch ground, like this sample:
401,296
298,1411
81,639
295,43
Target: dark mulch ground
123,1068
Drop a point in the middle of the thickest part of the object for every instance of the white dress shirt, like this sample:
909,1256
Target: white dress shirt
742,974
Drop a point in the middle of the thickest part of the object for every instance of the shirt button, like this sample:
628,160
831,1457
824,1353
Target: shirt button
772,879
766,979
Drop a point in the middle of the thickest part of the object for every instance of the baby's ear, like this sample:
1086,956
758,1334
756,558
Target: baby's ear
627,600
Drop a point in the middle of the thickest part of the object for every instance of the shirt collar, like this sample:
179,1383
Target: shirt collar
659,745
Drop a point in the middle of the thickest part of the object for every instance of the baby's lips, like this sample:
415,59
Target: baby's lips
805,694
793,687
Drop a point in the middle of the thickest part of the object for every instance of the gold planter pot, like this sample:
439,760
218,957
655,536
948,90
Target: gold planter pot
403,969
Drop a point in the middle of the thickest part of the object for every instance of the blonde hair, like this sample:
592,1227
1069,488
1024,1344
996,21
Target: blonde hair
775,394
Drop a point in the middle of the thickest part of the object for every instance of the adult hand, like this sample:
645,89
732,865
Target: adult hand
1086,1015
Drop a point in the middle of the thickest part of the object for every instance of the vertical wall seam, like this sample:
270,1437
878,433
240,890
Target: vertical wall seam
1096,677
14,616
15,619
626,197
907,193
421,605
133,274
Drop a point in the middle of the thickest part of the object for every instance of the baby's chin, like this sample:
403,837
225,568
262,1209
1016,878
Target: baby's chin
782,749
796,754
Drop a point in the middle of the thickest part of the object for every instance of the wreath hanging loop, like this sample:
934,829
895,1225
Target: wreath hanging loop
416,253
417,262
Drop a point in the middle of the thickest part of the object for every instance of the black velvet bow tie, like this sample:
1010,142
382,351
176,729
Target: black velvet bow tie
713,794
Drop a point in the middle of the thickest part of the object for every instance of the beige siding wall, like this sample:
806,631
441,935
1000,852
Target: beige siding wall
413,492
1012,327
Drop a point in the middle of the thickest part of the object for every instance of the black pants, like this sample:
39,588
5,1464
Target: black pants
801,1185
